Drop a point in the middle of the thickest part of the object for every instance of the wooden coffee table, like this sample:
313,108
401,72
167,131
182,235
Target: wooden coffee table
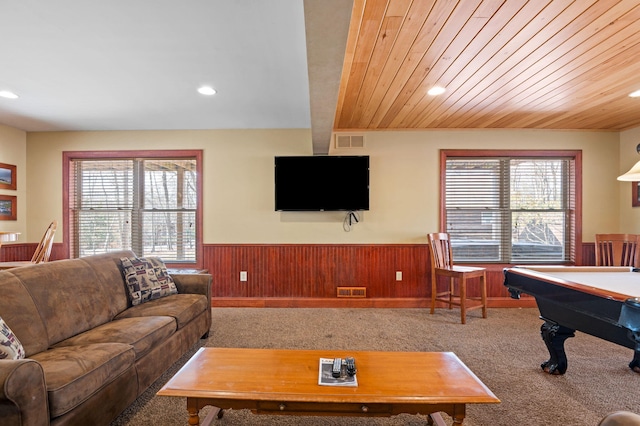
277,381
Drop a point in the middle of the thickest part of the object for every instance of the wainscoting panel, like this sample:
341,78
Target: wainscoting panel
20,252
17,252
309,274
315,271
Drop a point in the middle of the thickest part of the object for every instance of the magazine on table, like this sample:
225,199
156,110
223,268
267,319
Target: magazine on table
325,377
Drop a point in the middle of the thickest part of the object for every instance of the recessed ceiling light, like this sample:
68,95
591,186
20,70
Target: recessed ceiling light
7,94
436,90
207,90
635,94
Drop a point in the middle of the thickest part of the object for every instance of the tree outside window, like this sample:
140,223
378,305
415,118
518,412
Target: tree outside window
518,207
145,204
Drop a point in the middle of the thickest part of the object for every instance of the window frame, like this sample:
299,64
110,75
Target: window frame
492,153
69,156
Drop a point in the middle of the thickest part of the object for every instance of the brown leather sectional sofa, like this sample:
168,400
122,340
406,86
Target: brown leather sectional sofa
89,352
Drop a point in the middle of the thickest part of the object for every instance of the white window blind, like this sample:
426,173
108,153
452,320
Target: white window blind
143,204
510,209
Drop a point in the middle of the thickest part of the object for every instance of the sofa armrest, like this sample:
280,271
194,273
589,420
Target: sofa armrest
196,284
23,393
193,284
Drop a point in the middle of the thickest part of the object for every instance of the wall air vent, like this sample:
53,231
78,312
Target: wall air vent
352,292
349,141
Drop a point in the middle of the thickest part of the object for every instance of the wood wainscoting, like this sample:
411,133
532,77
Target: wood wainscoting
308,275
24,251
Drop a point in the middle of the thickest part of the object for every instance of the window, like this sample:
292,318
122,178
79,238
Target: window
147,202
512,206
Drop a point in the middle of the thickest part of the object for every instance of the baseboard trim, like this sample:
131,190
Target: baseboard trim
307,302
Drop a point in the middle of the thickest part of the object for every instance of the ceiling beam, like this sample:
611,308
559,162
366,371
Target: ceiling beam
327,28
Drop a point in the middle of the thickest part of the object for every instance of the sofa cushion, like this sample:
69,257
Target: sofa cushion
10,346
75,373
69,298
142,333
20,312
109,272
146,279
182,307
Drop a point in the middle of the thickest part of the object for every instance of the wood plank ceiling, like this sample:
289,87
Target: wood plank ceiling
545,64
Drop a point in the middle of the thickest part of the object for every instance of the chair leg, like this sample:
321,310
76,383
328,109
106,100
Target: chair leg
463,297
483,289
434,290
451,292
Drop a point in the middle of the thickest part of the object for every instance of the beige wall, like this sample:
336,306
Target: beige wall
629,216
237,172
405,175
238,179
13,150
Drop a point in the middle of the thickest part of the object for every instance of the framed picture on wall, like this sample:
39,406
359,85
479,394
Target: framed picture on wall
7,176
8,207
635,194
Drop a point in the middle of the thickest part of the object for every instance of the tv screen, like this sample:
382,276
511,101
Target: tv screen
322,183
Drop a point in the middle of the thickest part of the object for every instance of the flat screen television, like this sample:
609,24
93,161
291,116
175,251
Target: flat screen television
322,183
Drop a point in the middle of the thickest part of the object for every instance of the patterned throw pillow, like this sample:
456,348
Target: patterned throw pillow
10,346
161,273
147,279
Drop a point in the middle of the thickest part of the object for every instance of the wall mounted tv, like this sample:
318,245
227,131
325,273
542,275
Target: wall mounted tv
322,183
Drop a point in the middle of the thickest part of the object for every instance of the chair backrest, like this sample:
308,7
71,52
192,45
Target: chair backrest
441,256
617,249
43,251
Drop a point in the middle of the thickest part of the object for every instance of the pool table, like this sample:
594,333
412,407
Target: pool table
598,300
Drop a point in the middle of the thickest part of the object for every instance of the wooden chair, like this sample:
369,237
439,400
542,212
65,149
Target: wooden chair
617,249
42,253
442,266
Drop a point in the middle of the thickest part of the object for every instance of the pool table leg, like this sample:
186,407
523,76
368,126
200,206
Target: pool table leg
635,362
554,336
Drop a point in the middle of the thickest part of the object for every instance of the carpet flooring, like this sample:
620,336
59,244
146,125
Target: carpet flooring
504,351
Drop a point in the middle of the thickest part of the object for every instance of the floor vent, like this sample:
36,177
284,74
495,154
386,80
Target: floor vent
352,292
349,141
